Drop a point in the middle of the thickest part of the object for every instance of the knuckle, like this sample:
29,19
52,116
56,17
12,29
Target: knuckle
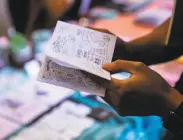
139,65
118,62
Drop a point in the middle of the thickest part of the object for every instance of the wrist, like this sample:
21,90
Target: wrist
173,121
172,100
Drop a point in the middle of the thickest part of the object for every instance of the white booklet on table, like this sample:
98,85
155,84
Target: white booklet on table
73,49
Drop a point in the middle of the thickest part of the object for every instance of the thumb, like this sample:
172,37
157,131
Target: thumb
122,65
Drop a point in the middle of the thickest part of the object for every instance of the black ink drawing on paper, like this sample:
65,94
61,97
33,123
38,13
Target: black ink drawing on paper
85,36
77,80
48,64
79,53
59,43
89,83
79,32
101,43
71,38
100,52
93,37
63,41
59,77
106,38
56,44
85,54
97,39
96,59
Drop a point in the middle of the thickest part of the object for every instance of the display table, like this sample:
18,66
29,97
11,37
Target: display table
123,25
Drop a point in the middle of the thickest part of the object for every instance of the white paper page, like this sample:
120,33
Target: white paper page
53,73
82,48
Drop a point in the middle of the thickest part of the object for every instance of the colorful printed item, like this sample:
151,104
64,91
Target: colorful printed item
81,118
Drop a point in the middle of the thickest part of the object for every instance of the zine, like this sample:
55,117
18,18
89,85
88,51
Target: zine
73,53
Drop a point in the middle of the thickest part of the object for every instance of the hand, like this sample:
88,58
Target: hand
148,49
144,93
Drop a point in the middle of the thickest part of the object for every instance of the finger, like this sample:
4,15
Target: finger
112,98
100,30
122,65
114,84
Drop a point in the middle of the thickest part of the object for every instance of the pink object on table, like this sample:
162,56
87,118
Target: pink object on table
3,42
169,4
6,127
125,38
170,71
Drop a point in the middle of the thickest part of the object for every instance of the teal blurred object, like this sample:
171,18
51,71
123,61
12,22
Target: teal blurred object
110,126
17,78
103,13
21,52
129,128
39,37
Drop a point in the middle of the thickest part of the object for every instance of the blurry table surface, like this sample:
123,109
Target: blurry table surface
123,25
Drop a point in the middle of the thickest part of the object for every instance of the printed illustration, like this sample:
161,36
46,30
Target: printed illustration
84,49
106,38
79,32
56,44
86,35
67,77
71,38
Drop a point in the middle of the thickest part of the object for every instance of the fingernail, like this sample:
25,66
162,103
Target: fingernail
105,65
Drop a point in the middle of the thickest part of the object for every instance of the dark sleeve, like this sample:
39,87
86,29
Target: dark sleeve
179,85
176,32
158,53
174,48
153,54
179,136
19,10
175,41
72,14
150,54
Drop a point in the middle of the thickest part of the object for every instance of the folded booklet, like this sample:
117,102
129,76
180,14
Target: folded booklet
73,50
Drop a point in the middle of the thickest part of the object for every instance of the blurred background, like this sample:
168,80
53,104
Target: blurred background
26,26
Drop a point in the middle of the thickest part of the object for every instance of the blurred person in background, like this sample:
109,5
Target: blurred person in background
28,15
19,10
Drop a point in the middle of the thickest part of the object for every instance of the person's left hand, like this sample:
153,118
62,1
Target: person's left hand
121,50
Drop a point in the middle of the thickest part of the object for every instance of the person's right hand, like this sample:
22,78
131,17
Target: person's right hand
144,93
